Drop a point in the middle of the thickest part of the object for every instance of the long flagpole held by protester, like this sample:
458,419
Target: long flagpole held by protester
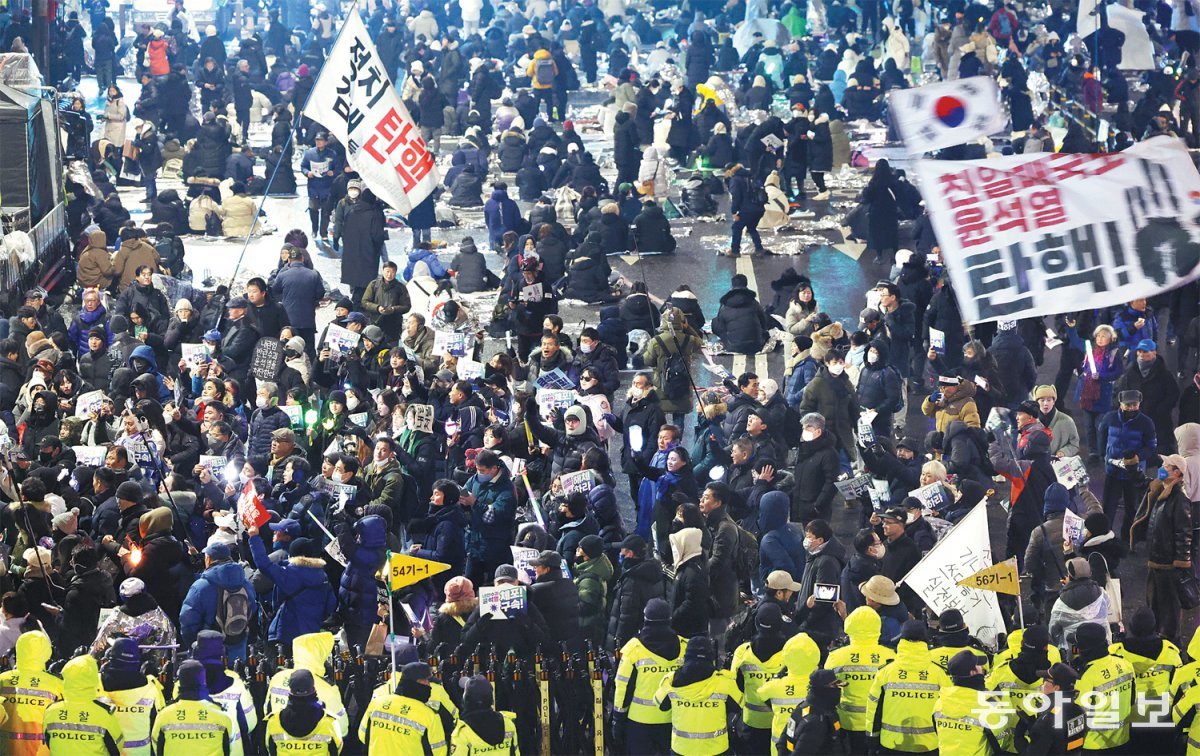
297,119
387,578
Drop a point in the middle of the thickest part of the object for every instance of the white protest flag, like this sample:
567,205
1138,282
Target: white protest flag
1137,52
354,99
946,113
1031,235
963,551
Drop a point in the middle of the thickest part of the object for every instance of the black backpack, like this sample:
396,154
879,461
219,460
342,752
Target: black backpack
979,436
758,193
746,556
233,614
675,377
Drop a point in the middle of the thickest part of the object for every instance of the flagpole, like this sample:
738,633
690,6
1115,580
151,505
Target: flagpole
392,614
296,121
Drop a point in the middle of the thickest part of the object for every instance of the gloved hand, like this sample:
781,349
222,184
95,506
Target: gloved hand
935,397
619,732
609,418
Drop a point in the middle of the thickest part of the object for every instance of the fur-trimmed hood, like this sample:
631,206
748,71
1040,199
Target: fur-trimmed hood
303,561
459,608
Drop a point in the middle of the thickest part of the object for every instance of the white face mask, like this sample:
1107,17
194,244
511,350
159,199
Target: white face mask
260,402
808,435
837,369
586,348
872,358
338,477
168,418
635,393
352,403
243,478
353,194
911,517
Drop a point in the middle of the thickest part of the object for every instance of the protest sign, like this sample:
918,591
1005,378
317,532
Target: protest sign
554,379
354,99
1000,577
866,433
267,360
334,550
469,369
963,551
88,403
340,340
852,488
522,556
933,497
419,417
339,492
531,293
250,508
937,341
407,569
449,342
551,399
360,419
92,456
1072,529
215,464
195,354
1136,49
295,415
1032,235
578,482
946,113
502,601
1070,471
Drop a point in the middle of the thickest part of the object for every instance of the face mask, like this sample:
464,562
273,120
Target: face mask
1145,365
243,478
168,418
260,402
352,403
872,358
635,393
47,457
586,348
910,517
353,194
808,435
1162,473
809,546
837,369
338,477
483,478
1128,415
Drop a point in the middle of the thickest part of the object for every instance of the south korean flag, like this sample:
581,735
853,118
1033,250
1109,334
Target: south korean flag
947,113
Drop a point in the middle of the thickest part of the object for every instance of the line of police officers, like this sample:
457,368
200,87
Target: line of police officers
668,698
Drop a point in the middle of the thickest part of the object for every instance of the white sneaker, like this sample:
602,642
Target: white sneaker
822,196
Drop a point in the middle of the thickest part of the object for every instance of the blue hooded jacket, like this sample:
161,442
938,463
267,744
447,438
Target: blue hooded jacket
356,592
144,352
86,321
436,269
302,593
781,544
200,606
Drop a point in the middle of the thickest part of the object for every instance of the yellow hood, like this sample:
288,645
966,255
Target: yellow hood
81,679
33,651
863,625
312,651
1194,646
801,655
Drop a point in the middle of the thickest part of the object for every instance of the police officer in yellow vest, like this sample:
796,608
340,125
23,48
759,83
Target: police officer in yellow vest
81,724
969,718
1013,647
302,726
1105,689
900,706
702,700
1020,677
26,693
1186,676
193,725
136,697
953,636
1154,660
481,729
310,652
755,663
402,722
814,726
654,654
439,700
226,689
800,657
856,664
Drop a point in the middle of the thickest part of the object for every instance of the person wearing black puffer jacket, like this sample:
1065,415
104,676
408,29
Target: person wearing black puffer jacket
588,272
817,467
880,387
741,323
652,230
746,208
556,597
469,269
638,312
640,581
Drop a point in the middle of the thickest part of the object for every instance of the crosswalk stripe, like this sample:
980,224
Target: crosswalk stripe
760,366
739,365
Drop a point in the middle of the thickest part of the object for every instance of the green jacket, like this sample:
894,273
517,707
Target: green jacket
386,483
592,578
655,357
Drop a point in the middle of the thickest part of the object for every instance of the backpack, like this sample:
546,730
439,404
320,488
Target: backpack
792,429
746,557
758,194
233,614
543,71
675,378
